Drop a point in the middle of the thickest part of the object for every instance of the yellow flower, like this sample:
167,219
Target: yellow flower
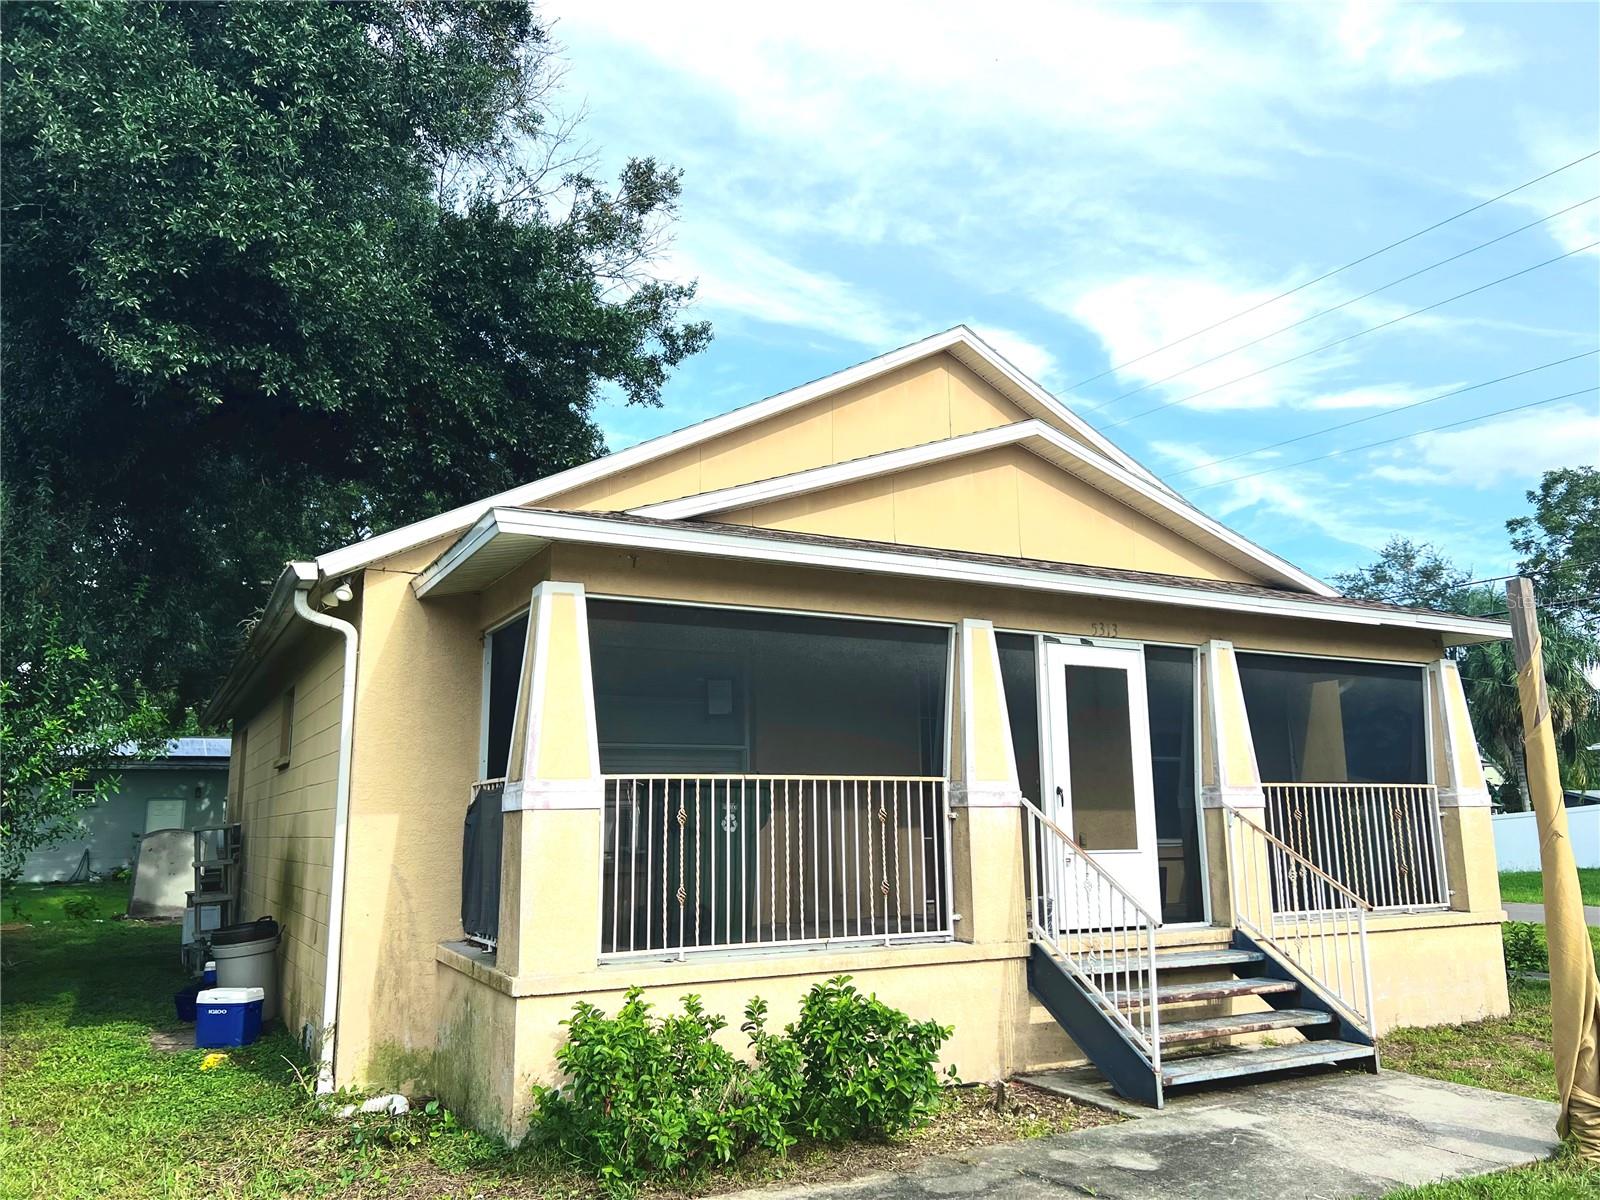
213,1060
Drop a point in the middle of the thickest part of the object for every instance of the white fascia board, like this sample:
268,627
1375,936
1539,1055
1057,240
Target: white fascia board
1032,434
728,542
276,617
961,339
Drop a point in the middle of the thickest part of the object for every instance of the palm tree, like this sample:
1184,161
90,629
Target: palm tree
1489,678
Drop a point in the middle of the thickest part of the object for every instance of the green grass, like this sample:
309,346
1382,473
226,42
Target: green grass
1505,1054
46,903
1527,887
90,1108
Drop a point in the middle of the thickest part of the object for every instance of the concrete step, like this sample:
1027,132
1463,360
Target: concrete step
1259,1060
1174,960
1215,989
1178,1033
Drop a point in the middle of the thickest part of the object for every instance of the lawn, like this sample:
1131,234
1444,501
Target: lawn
90,1108
1527,887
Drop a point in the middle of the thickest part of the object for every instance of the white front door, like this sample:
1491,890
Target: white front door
1098,755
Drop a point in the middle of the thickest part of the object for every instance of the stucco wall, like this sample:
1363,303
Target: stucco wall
418,696
287,818
926,401
1001,501
110,829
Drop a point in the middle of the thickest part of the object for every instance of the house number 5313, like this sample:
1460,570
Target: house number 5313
1103,628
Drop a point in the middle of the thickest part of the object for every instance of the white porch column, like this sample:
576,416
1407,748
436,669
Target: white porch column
1230,777
1464,815
554,798
986,799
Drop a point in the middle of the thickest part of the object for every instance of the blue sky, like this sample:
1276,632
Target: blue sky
1082,184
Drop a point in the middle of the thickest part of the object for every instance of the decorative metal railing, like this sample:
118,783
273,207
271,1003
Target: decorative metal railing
714,862
1097,930
1314,923
1381,841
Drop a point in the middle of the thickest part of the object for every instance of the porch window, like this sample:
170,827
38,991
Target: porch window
1342,749
770,778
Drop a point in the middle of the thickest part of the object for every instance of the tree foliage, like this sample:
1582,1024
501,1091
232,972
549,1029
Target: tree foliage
283,275
1560,542
1421,576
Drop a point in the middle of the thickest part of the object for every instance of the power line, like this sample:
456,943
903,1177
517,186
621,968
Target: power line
1349,337
1388,412
1500,412
1337,270
1205,362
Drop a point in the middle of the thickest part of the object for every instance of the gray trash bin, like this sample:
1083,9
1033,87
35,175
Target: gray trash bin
247,956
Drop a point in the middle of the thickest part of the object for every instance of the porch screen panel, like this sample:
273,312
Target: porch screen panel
770,778
1019,677
1317,720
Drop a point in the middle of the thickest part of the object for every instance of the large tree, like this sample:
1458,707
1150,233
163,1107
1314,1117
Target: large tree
1560,542
278,276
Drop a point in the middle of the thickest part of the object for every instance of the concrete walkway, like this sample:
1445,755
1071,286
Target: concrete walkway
1535,913
1322,1138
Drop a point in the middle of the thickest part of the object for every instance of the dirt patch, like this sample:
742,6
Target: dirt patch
974,1117
170,1041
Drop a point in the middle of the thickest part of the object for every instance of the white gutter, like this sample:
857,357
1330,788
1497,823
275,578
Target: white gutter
341,822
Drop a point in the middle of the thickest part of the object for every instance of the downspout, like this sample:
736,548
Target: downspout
341,821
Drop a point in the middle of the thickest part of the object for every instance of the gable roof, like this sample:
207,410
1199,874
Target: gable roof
504,538
1050,444
960,343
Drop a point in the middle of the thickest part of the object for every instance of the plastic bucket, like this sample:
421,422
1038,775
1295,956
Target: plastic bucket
247,957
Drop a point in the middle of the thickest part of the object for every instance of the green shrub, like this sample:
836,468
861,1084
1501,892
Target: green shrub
1525,947
868,1068
80,908
659,1097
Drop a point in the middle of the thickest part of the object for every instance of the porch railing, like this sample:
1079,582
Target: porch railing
715,862
1381,841
1097,930
1320,931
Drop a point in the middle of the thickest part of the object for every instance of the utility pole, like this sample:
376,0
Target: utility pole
1574,989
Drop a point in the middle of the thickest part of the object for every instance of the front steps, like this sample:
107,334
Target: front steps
1193,982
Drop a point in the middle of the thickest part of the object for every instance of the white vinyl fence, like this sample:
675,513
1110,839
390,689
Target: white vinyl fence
1516,838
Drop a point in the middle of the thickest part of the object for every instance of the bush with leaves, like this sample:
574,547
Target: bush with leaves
655,1096
659,1097
868,1068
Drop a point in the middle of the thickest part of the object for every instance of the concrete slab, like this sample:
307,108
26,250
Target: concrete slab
1326,1137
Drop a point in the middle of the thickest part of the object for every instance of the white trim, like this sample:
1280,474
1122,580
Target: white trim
1450,792
523,789
1033,435
731,542
1228,793
554,794
968,792
967,346
327,1035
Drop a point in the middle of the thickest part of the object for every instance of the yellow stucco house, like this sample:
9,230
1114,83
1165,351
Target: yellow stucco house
906,673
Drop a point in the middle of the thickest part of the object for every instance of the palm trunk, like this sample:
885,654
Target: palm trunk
1519,771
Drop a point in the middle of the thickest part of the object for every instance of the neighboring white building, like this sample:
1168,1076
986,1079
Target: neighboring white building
184,788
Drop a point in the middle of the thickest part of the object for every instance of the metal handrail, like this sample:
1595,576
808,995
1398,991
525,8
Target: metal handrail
1105,935
1325,943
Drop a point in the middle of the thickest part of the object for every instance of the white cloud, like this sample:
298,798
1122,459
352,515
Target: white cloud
1377,395
1520,446
1034,360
